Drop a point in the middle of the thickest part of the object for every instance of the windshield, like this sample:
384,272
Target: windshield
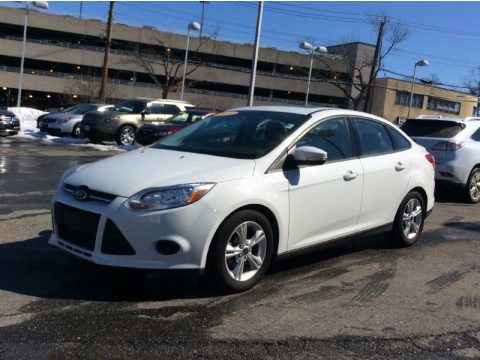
130,106
82,109
70,109
237,134
432,128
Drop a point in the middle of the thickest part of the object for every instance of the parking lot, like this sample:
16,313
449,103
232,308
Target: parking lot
361,298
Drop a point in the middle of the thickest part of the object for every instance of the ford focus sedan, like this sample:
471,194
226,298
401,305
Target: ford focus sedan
233,192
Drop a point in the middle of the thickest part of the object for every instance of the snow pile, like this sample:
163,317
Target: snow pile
28,129
28,119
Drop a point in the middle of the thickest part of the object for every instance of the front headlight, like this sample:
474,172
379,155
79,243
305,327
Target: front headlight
168,197
65,119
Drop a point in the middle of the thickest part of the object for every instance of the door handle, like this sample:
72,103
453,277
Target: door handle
400,166
350,175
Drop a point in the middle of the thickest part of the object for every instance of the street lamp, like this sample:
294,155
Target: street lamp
418,63
311,50
192,26
38,4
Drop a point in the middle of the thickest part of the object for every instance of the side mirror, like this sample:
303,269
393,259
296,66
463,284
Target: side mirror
309,155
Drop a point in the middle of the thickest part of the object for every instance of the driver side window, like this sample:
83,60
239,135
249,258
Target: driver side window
332,136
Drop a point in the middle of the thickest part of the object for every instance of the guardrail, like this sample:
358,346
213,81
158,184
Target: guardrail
152,85
79,46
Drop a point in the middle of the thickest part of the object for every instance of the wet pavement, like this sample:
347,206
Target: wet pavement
358,299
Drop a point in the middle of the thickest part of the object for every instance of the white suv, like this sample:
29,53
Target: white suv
455,144
232,192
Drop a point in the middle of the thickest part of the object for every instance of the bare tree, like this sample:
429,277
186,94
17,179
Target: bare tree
432,79
164,65
87,88
472,82
356,80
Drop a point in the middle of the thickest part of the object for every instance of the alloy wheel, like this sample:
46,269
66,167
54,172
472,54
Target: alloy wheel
127,136
474,186
245,251
412,218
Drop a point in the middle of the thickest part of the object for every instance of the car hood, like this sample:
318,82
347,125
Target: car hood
127,174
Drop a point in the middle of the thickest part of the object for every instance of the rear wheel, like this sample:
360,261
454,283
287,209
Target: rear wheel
241,251
409,220
76,132
126,135
472,190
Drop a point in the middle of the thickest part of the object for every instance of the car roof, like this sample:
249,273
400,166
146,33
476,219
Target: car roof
302,110
446,118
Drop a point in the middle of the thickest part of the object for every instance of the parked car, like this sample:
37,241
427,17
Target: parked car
68,122
455,144
9,123
121,122
149,133
51,111
232,192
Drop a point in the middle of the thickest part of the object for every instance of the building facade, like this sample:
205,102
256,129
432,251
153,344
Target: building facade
64,59
392,98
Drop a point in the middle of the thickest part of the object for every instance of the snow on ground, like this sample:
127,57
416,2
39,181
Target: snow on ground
28,129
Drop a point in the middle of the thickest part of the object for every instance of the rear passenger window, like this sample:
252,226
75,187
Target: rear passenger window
476,135
331,136
170,109
373,137
399,141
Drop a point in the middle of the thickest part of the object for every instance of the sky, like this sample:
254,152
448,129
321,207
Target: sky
446,33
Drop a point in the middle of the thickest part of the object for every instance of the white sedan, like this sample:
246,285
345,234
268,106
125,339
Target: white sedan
232,192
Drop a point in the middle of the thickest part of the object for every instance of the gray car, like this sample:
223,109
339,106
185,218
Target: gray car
68,121
455,144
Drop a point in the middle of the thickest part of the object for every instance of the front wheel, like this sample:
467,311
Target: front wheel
241,251
472,190
126,135
77,132
409,220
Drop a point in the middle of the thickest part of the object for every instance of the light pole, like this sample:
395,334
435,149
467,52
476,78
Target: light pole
311,50
41,5
192,26
418,63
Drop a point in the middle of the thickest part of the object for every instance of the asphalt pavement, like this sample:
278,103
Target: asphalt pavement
358,299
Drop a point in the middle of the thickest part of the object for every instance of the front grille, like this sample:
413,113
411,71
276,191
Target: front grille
76,226
114,242
92,194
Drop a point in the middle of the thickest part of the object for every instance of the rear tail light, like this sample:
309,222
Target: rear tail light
430,159
448,145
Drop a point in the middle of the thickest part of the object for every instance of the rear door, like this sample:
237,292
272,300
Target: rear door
386,172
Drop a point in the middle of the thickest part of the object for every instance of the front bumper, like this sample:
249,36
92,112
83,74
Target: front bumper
191,227
9,128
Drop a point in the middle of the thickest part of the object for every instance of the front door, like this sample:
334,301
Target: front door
325,199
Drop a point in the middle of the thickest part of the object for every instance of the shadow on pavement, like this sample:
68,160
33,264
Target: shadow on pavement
35,268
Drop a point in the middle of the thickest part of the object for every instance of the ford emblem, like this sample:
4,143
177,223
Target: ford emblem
80,194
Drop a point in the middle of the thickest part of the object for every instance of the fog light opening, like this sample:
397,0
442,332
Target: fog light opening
167,247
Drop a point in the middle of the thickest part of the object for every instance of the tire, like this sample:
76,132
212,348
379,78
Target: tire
249,255
77,132
409,220
472,190
126,135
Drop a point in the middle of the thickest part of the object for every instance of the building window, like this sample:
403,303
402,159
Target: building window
403,98
441,105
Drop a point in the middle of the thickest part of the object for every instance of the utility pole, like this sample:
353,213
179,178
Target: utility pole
478,99
368,106
201,19
81,10
251,89
108,43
